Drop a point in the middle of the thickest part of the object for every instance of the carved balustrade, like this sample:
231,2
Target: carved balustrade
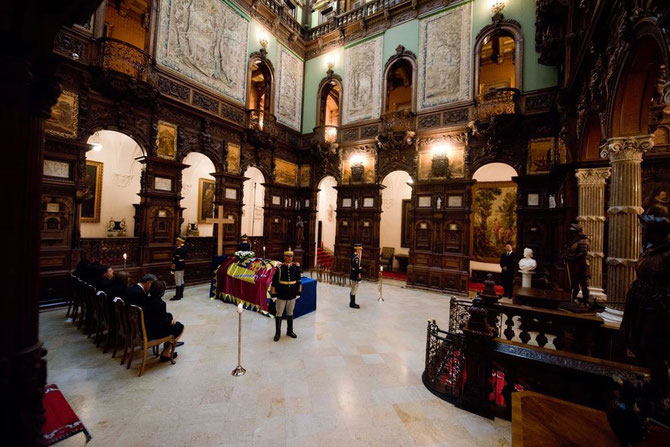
546,328
326,135
502,101
351,16
399,121
445,364
122,57
110,250
262,121
201,247
281,12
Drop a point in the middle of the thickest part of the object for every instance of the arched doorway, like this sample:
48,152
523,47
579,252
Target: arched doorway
113,172
197,189
395,197
254,201
326,207
493,221
399,86
259,98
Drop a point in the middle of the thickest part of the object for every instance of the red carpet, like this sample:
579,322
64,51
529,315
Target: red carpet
395,275
478,287
61,421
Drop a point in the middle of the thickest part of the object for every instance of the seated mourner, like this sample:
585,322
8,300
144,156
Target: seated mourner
158,321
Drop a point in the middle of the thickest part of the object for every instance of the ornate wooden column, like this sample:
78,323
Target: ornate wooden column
624,238
591,183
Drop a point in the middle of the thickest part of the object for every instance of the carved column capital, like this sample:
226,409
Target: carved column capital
626,148
593,176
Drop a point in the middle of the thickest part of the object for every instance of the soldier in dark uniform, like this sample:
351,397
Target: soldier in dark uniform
355,275
244,245
578,263
507,265
286,288
177,268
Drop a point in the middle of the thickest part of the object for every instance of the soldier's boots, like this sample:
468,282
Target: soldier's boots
352,302
178,294
289,329
277,328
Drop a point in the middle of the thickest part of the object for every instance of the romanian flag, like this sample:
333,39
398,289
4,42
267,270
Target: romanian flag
245,281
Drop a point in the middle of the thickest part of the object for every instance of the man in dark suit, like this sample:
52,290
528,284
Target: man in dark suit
137,293
105,280
507,264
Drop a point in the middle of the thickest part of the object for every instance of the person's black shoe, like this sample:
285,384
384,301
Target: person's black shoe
289,329
352,302
277,328
180,343
167,359
175,298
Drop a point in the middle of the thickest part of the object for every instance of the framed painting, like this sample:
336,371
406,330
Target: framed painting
656,197
64,120
92,195
286,173
540,155
206,189
233,160
493,219
166,140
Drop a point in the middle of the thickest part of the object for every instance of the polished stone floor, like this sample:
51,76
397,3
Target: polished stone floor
351,378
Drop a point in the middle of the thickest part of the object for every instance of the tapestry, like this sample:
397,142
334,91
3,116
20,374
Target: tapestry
245,281
362,81
92,194
445,57
64,119
205,200
493,219
286,173
206,41
166,140
288,94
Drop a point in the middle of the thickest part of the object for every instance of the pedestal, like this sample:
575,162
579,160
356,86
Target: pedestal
526,279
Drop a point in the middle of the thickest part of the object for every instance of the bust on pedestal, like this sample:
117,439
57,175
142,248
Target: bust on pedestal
527,267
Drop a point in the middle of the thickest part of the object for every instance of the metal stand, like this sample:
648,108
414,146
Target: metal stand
381,278
239,371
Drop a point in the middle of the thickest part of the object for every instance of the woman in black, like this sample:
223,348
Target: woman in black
158,321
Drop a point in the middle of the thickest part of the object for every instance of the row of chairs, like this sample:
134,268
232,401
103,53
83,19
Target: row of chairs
326,274
119,324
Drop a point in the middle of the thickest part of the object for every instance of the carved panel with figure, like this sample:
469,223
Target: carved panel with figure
362,81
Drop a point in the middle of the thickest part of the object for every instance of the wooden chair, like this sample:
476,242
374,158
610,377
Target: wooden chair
92,316
138,337
80,310
121,334
102,319
386,258
71,282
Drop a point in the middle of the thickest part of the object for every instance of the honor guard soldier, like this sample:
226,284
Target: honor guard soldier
244,245
286,288
355,276
177,268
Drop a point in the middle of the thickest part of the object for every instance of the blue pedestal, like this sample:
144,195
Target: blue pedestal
307,301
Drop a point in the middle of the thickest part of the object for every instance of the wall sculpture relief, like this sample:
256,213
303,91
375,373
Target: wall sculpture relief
288,94
362,81
444,57
204,40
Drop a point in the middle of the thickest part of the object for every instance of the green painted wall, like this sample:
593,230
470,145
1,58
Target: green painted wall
406,34
256,30
535,76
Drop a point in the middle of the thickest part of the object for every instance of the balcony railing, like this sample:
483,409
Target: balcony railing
262,121
122,57
281,12
325,134
500,101
351,16
398,121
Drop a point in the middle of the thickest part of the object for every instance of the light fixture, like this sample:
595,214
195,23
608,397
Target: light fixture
441,150
96,142
497,7
264,41
356,160
331,134
330,63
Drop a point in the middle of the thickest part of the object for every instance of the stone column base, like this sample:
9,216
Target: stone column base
611,315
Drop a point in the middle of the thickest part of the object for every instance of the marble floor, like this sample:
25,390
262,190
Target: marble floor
351,378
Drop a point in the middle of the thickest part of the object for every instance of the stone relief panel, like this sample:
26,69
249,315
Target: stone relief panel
444,57
206,41
362,81
288,94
